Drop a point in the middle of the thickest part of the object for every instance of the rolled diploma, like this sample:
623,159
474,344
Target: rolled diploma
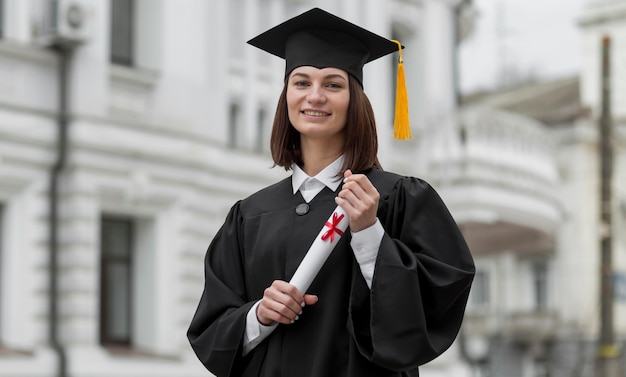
320,250
318,253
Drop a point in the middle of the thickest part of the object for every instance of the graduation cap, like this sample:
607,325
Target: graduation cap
320,39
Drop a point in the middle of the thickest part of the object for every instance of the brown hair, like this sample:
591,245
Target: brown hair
360,149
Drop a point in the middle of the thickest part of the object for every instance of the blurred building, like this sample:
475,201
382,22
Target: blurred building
112,186
532,158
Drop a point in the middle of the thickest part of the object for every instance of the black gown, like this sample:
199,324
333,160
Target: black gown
411,315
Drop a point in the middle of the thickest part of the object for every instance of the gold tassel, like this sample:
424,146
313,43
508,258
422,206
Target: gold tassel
401,124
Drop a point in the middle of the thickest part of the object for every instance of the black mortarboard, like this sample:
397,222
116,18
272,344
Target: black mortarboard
320,39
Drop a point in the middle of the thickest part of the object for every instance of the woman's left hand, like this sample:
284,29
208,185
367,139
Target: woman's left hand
359,198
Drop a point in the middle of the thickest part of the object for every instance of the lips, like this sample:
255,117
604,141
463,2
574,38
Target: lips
315,113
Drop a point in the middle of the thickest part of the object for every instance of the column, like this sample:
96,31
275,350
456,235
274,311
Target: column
441,129
218,71
251,77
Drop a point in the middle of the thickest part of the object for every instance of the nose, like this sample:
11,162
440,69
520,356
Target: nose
316,94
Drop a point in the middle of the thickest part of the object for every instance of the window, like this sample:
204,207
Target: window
619,286
1,19
115,281
479,297
137,270
136,34
261,140
234,121
122,32
540,285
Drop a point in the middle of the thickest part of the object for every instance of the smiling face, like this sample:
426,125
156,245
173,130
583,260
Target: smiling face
317,102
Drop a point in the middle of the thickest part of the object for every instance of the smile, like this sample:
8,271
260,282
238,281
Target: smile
315,113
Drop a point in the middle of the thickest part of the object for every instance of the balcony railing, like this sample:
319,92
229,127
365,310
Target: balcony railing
503,181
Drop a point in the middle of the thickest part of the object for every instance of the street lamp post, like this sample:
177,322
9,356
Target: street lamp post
608,352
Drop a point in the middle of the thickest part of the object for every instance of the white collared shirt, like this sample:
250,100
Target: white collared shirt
309,187
365,243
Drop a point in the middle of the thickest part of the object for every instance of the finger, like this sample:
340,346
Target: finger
290,290
360,183
287,294
358,199
352,187
352,193
310,299
363,188
269,312
347,200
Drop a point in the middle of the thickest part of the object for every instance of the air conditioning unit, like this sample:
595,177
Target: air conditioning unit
65,22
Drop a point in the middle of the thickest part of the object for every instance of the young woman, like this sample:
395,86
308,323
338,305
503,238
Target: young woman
391,295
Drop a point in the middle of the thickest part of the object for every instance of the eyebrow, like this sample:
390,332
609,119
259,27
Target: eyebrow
330,76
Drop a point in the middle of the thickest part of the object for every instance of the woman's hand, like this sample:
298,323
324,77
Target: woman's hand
282,303
359,198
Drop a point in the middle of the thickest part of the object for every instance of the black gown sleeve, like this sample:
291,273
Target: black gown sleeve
218,326
421,281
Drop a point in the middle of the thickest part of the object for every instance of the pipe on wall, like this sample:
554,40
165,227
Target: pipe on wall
64,53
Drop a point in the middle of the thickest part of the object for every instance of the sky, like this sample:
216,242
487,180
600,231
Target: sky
520,39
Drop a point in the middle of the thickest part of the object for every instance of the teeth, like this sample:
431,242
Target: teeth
315,113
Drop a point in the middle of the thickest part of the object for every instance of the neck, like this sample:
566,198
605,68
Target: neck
318,155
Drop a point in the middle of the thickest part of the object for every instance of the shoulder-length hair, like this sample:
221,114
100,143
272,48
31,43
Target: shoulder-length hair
361,146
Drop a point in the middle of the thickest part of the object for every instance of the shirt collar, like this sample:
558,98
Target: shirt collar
328,176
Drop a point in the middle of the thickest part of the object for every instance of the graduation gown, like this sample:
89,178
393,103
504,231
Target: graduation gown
412,313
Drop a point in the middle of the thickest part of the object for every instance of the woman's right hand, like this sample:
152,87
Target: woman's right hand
282,303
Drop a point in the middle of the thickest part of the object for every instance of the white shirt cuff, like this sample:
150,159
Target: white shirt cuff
365,245
256,332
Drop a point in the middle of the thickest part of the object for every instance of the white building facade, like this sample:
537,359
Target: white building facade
536,304
167,121
115,177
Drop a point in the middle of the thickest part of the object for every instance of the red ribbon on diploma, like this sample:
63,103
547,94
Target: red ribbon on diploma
330,233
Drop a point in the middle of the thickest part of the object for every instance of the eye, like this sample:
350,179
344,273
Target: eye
334,85
301,83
